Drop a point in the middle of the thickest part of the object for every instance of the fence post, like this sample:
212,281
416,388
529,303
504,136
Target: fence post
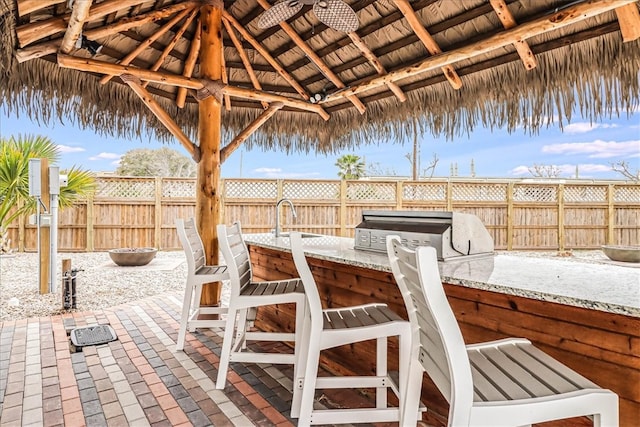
449,195
611,215
157,233
223,208
90,234
399,194
510,216
561,237
343,207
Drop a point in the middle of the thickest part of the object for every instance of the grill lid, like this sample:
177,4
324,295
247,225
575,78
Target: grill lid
453,234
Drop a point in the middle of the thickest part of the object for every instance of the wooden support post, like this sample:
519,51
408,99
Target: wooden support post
66,267
79,15
209,124
44,236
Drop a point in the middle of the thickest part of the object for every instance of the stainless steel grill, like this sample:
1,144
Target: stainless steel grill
455,235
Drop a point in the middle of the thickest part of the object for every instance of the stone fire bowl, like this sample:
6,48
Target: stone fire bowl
622,253
132,257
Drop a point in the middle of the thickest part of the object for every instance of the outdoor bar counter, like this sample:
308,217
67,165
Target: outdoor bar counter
586,314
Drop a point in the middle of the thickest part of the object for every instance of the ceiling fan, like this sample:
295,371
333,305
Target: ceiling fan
333,13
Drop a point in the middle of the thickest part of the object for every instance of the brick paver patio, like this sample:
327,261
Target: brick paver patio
137,380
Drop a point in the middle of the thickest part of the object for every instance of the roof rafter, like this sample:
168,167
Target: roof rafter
153,37
45,48
102,67
427,40
38,30
333,77
567,16
508,21
173,42
377,65
265,54
629,19
244,58
190,64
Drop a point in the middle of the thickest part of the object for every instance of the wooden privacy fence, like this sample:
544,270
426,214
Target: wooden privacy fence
520,215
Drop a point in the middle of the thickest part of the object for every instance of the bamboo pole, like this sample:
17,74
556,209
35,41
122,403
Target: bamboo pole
209,125
79,15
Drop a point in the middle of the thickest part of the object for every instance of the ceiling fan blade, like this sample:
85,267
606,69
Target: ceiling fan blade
279,12
336,14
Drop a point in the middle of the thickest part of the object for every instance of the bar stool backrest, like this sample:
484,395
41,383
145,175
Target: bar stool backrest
236,256
438,341
192,244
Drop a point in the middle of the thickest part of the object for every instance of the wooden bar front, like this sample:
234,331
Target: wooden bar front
603,347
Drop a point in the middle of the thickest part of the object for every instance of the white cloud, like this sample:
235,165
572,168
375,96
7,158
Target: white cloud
106,156
68,149
267,170
566,170
596,149
278,173
519,171
584,127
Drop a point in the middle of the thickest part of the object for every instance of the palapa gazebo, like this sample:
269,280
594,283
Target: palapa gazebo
214,74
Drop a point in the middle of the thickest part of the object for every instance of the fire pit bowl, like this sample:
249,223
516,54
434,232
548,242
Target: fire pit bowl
132,257
622,253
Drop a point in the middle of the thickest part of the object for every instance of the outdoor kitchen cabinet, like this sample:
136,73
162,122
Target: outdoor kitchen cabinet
598,337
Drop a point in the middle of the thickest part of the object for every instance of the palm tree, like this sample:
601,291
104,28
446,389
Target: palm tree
14,178
351,167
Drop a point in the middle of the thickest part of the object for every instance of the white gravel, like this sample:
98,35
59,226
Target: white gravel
102,284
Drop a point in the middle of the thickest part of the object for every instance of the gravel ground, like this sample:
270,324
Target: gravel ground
102,284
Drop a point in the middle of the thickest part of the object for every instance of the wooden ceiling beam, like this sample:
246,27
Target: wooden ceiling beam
25,7
493,62
249,130
244,58
629,19
176,38
225,78
508,21
427,40
190,64
377,65
79,14
39,30
311,54
136,85
265,54
559,19
45,48
102,67
145,44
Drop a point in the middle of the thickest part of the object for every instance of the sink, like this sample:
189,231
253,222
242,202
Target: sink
304,235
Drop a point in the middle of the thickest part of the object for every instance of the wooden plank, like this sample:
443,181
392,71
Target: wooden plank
629,20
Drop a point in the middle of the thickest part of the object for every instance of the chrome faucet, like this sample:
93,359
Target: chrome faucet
293,212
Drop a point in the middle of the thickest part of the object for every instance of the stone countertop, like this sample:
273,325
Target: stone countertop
609,287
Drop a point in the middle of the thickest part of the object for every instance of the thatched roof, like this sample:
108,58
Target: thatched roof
584,66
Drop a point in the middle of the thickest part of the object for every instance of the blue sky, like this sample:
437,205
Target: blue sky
593,147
